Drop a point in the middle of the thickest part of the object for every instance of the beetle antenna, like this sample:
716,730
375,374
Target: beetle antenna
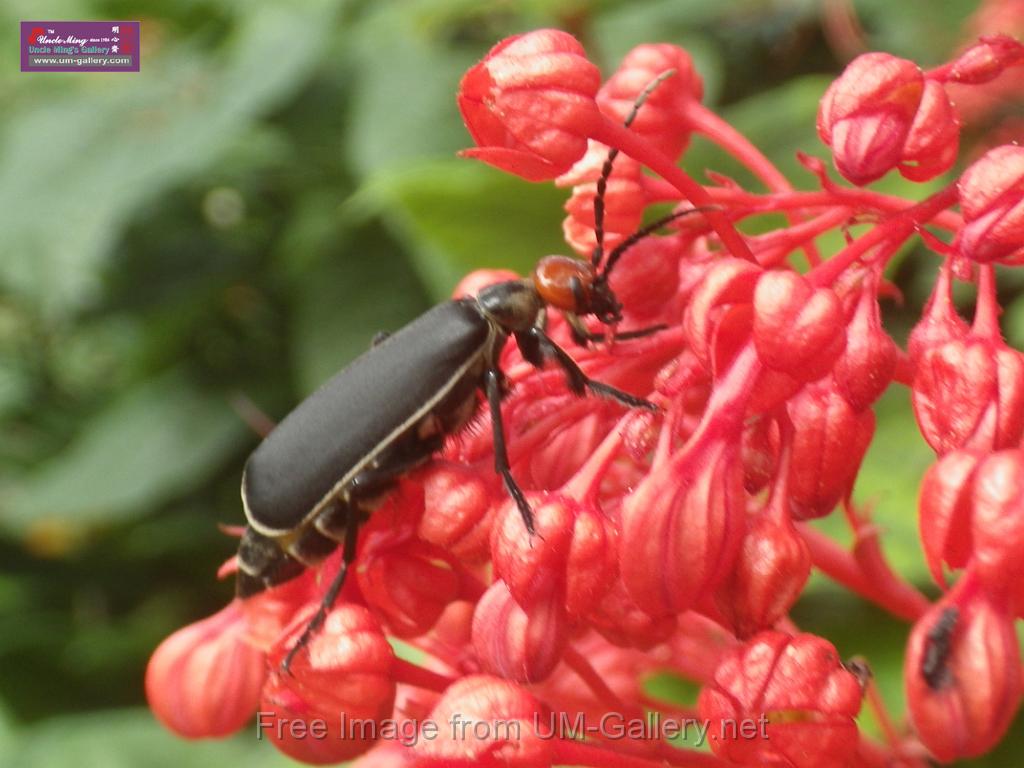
646,230
606,169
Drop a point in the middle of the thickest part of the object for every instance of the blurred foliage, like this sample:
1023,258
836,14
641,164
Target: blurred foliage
233,224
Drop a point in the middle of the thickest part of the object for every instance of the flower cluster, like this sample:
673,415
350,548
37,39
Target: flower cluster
676,541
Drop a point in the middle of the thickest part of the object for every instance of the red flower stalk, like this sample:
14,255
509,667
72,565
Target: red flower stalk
798,699
963,673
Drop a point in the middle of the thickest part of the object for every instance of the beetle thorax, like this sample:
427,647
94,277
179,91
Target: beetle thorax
513,305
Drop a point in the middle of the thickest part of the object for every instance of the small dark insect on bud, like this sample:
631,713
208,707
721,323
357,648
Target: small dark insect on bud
938,644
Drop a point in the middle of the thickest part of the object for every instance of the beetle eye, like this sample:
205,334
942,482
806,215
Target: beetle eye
564,283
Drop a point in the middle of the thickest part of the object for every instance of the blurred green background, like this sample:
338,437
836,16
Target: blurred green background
225,229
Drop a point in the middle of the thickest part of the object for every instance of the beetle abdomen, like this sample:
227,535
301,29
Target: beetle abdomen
362,412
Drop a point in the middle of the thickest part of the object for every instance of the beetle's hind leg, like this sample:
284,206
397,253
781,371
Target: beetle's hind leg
348,556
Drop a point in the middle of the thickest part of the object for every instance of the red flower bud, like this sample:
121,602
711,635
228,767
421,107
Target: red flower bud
940,322
798,329
829,443
662,120
727,288
516,643
771,570
407,583
571,557
970,393
992,199
622,622
305,730
868,363
530,104
205,679
681,528
997,523
879,115
945,507
759,450
962,675
646,278
345,667
458,510
986,60
793,690
485,721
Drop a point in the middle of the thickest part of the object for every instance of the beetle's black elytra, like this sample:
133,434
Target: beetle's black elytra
314,478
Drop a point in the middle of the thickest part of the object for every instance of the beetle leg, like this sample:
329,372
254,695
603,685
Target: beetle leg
348,556
378,337
492,384
578,380
582,336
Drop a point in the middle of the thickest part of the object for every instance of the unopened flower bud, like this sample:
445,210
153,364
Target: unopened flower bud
486,721
516,643
962,673
945,511
726,292
992,199
796,690
798,329
530,104
997,522
205,679
458,510
882,114
868,363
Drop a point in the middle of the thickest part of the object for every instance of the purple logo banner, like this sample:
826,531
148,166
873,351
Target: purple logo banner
79,46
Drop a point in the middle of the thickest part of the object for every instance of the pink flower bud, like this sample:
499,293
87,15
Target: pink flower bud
798,329
867,365
572,556
940,322
997,523
530,104
516,643
962,676
646,279
992,199
407,583
879,115
681,529
458,510
830,439
662,120
945,511
485,721
986,60
970,393
345,667
624,200
205,679
798,698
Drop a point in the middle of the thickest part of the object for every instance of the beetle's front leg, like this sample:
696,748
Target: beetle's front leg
578,380
583,337
492,386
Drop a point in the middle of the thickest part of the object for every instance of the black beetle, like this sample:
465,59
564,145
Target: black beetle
310,483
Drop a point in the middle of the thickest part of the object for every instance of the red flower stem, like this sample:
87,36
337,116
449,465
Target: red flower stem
586,672
867,551
773,247
603,756
412,674
863,200
986,312
842,567
882,716
896,230
615,135
736,144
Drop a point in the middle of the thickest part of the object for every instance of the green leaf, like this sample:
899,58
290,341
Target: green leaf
458,215
155,442
77,165
129,739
